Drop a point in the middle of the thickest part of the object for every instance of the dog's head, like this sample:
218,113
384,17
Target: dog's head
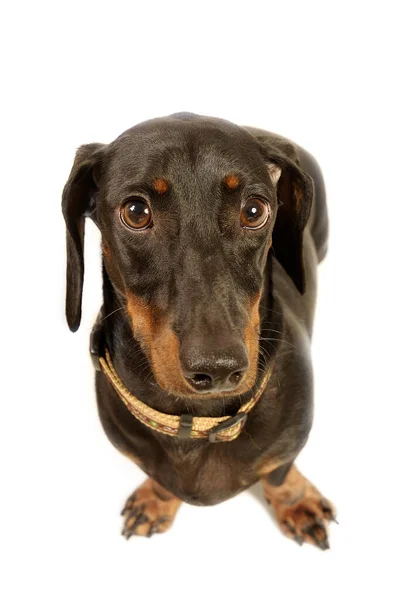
188,208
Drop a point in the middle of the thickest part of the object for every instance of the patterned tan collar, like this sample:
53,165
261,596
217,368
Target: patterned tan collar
215,429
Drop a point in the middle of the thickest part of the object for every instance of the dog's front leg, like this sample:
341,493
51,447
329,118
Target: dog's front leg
301,511
150,509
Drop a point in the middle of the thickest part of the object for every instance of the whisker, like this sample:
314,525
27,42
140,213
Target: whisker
112,313
251,438
274,311
128,353
273,330
277,340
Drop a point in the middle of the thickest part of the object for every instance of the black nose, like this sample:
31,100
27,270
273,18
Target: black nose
214,370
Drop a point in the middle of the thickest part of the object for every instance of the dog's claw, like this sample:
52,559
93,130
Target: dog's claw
324,545
297,538
318,535
154,529
328,511
129,504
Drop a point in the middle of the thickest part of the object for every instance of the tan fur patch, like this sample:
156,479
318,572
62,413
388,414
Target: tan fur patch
251,336
231,182
142,317
166,362
161,344
269,465
160,185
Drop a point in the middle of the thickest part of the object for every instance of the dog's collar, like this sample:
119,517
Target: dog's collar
215,429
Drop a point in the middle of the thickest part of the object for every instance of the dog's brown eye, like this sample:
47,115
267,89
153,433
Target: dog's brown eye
136,213
254,213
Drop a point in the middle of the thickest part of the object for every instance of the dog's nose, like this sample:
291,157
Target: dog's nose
214,370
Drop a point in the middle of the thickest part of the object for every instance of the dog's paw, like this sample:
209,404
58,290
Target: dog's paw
301,511
150,509
306,520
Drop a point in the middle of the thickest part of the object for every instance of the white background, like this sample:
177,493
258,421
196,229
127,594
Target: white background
322,73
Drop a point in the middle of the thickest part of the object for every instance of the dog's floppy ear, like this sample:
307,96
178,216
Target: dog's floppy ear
78,201
295,194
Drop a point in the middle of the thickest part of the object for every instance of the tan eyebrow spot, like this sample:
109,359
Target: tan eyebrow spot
231,182
160,185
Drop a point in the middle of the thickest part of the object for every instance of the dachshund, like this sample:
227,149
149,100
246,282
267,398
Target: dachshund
211,235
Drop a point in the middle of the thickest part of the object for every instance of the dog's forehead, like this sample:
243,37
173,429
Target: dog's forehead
165,145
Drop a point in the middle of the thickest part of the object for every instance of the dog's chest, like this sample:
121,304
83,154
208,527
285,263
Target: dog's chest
201,475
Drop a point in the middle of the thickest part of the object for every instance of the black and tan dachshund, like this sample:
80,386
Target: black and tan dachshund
211,235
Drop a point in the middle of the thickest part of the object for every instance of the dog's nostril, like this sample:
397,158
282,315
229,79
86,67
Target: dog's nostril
236,377
201,378
201,381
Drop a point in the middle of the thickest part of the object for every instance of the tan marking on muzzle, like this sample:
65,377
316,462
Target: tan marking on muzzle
166,363
160,343
162,347
143,321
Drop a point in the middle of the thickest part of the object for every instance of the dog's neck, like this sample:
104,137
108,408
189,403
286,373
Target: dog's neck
134,368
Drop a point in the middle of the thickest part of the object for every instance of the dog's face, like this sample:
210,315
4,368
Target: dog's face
186,207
